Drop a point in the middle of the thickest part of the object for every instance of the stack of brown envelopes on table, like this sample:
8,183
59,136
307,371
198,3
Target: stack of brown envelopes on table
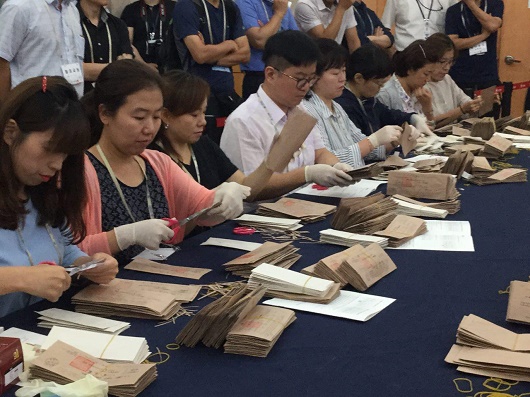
306,211
365,266
469,122
496,147
393,163
434,164
339,237
364,215
481,168
446,129
421,185
365,172
407,207
523,121
457,163
474,148
259,331
486,349
459,131
269,223
402,229
484,128
132,298
278,254
507,175
519,303
503,122
451,206
288,284
515,131
63,364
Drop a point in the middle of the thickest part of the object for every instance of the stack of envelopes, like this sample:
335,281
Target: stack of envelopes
393,163
516,131
496,147
278,254
364,215
50,317
523,121
133,298
402,229
451,206
430,165
457,163
447,129
507,175
338,237
481,168
473,147
486,349
366,266
306,211
459,131
288,284
405,207
365,172
503,122
518,302
64,364
420,185
484,128
257,333
268,223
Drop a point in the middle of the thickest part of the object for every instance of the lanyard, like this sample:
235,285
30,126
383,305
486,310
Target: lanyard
421,6
183,166
361,20
266,12
57,37
462,14
25,247
89,39
118,188
210,24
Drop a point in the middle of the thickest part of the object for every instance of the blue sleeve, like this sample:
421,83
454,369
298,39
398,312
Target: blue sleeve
237,30
290,19
249,13
186,19
377,22
71,253
452,20
497,9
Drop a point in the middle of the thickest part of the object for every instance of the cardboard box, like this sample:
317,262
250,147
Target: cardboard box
11,362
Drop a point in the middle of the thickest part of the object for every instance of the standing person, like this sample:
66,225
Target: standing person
328,19
473,26
261,19
150,22
415,19
40,37
132,188
370,29
290,62
214,41
44,134
106,39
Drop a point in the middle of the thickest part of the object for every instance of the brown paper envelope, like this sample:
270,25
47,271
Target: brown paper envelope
488,98
147,266
406,144
516,131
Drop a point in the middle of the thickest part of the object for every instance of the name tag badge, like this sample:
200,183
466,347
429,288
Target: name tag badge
72,73
479,49
427,28
223,69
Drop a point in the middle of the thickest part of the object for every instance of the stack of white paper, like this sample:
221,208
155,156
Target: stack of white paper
268,222
65,318
111,348
410,209
229,243
338,237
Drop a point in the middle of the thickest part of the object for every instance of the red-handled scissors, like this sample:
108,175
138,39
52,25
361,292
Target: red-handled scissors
243,230
51,263
319,187
176,224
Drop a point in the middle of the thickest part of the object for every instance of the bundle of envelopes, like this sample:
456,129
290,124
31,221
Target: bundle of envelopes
472,146
306,211
339,237
364,215
481,168
64,364
451,206
288,284
268,223
365,172
133,298
496,147
434,164
518,302
484,348
447,129
484,128
515,131
503,122
365,266
459,131
507,175
457,163
421,185
406,207
523,121
50,317
278,254
402,229
393,162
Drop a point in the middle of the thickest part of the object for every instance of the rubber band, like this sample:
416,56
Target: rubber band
172,346
492,394
159,354
108,344
506,291
306,281
456,381
506,386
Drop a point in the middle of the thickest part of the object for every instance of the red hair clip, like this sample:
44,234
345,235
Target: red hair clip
44,83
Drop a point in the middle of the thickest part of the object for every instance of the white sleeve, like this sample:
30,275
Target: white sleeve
389,14
306,16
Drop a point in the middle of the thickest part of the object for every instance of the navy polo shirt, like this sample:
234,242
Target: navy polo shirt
367,22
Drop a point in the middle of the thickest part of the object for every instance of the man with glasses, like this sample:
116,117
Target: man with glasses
290,61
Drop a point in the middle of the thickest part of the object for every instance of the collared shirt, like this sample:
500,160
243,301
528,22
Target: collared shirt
446,95
253,11
36,38
311,13
367,22
409,18
250,130
393,95
339,134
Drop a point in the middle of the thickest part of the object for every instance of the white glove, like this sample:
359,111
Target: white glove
385,135
231,196
414,133
419,122
343,167
148,234
326,175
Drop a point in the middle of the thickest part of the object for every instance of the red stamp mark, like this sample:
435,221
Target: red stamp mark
82,363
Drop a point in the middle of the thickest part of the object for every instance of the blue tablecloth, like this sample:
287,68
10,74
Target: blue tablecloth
398,353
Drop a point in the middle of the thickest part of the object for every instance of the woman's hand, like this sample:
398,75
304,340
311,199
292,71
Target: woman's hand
105,272
46,281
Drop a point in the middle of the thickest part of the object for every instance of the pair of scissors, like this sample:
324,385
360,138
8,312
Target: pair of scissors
176,224
244,230
318,187
71,270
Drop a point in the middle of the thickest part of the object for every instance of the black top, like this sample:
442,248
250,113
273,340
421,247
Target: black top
367,22
147,26
97,47
374,115
113,211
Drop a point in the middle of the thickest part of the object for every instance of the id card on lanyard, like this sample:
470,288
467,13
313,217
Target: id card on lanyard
428,28
482,47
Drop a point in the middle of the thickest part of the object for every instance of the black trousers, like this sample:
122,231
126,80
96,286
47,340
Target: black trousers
219,108
251,83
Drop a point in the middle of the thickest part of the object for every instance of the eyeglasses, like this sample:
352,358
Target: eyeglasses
447,62
300,82
379,82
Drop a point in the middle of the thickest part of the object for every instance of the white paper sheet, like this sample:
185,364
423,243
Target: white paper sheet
360,189
156,255
426,157
31,338
349,304
85,321
229,243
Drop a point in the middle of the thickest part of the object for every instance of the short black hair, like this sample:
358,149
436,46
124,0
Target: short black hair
290,48
414,57
332,55
369,61
439,44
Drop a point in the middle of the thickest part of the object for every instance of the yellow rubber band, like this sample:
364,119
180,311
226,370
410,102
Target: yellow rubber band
456,381
173,346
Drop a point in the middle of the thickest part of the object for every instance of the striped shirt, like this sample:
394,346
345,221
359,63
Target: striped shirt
339,134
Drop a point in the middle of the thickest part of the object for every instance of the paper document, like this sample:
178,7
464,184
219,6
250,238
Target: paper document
350,305
236,244
360,189
156,255
65,318
31,338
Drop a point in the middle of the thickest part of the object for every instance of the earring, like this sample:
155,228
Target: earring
166,126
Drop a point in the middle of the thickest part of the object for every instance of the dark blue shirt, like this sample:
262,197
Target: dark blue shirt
473,69
367,22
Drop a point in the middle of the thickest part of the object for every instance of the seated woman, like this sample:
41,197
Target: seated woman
338,132
132,188
449,102
405,90
367,70
42,194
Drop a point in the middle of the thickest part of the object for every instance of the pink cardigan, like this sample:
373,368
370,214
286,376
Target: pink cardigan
184,197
